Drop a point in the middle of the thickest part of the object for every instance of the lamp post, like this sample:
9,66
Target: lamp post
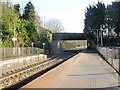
32,46
101,29
43,47
14,39
58,44
109,28
88,40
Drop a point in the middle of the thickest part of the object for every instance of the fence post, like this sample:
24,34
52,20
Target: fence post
13,51
29,50
4,52
19,51
119,69
22,51
119,62
107,50
112,58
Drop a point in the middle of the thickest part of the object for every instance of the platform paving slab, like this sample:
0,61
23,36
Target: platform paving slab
85,70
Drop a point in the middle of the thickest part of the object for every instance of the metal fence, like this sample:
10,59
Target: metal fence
111,55
15,70
19,51
14,64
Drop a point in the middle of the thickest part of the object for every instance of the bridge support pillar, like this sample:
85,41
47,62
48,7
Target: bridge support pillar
90,44
56,47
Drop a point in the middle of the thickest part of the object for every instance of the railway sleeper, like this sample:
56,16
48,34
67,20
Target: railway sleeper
19,76
18,69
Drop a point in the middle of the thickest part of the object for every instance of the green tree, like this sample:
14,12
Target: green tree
22,34
17,9
45,36
9,23
29,15
113,19
13,27
38,20
117,28
95,16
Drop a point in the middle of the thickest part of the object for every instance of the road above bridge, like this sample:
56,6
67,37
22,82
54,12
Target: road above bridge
84,70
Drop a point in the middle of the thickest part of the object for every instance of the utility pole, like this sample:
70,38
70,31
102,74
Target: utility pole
101,35
97,37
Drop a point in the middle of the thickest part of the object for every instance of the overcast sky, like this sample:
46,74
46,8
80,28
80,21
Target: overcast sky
70,12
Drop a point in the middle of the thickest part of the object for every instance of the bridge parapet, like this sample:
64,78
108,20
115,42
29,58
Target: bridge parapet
69,36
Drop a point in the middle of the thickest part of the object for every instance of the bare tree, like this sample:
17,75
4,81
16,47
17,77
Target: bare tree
38,20
55,25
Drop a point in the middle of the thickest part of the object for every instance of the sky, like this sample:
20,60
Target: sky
70,12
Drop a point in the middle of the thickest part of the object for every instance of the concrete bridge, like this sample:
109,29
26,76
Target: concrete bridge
57,37
69,36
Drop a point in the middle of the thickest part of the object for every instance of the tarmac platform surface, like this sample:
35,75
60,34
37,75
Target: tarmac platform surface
85,70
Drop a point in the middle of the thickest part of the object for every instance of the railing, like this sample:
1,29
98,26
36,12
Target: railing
19,51
111,56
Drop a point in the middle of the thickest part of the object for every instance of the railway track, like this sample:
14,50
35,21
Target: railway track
24,75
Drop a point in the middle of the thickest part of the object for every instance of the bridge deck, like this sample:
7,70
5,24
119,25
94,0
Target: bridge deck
69,36
85,70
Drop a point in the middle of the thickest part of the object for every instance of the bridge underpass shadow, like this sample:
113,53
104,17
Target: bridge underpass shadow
90,51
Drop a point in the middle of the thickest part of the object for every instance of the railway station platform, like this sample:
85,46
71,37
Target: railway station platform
85,70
